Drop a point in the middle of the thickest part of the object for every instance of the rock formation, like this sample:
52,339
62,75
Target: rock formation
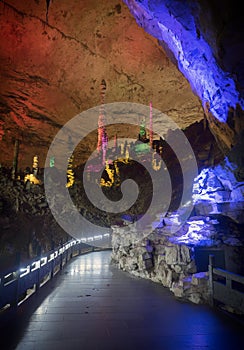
185,57
205,41
51,71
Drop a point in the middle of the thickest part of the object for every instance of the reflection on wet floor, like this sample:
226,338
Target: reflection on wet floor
96,265
93,305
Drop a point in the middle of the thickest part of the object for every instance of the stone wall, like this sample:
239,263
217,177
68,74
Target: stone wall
178,257
162,261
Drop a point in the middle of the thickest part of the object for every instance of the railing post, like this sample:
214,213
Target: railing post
71,254
1,286
16,298
210,271
38,270
66,255
61,257
52,261
228,282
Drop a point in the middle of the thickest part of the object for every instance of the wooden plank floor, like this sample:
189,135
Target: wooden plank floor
92,305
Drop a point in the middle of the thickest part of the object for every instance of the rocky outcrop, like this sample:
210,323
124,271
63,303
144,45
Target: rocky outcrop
179,260
53,59
175,254
204,40
23,197
162,261
27,225
216,191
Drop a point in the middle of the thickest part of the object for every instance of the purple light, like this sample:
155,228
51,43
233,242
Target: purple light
218,185
193,54
197,234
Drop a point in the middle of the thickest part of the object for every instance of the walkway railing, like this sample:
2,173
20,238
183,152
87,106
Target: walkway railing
226,287
20,282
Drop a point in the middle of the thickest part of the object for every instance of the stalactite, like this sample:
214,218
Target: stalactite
101,115
48,4
102,134
127,154
115,143
117,174
35,165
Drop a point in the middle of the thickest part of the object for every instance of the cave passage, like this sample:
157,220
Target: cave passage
93,305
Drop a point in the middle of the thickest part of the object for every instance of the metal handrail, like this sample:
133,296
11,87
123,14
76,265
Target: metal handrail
20,282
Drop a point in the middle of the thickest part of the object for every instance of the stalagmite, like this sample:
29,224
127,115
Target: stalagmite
15,160
70,172
151,126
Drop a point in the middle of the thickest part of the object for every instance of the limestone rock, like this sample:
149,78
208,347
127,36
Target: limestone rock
52,70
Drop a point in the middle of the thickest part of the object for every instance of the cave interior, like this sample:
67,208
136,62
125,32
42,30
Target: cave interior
180,61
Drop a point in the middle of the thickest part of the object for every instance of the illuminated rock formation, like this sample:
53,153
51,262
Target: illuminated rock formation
70,172
204,41
51,71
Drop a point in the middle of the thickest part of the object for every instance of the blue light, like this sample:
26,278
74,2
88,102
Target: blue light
218,185
215,191
192,52
198,233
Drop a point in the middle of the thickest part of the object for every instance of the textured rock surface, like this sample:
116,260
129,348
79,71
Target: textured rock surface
26,222
180,260
52,71
176,253
156,258
52,63
205,39
217,191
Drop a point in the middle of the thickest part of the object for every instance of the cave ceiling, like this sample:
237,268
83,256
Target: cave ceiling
54,55
52,64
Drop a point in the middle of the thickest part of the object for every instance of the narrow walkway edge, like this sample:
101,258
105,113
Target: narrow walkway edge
92,305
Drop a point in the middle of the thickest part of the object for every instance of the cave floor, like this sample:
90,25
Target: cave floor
93,305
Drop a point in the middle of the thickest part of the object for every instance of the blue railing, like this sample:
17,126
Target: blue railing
20,282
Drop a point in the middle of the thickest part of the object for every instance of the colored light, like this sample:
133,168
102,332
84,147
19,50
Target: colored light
195,58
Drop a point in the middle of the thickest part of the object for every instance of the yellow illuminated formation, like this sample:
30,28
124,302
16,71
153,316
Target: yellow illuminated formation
110,173
113,175
70,173
127,155
117,175
156,164
32,179
35,165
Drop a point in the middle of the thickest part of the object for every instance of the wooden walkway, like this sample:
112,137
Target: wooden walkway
92,305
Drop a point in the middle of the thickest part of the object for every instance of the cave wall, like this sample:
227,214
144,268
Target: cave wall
205,40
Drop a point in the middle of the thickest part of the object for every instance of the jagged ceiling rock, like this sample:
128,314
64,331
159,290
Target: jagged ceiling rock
205,40
52,63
